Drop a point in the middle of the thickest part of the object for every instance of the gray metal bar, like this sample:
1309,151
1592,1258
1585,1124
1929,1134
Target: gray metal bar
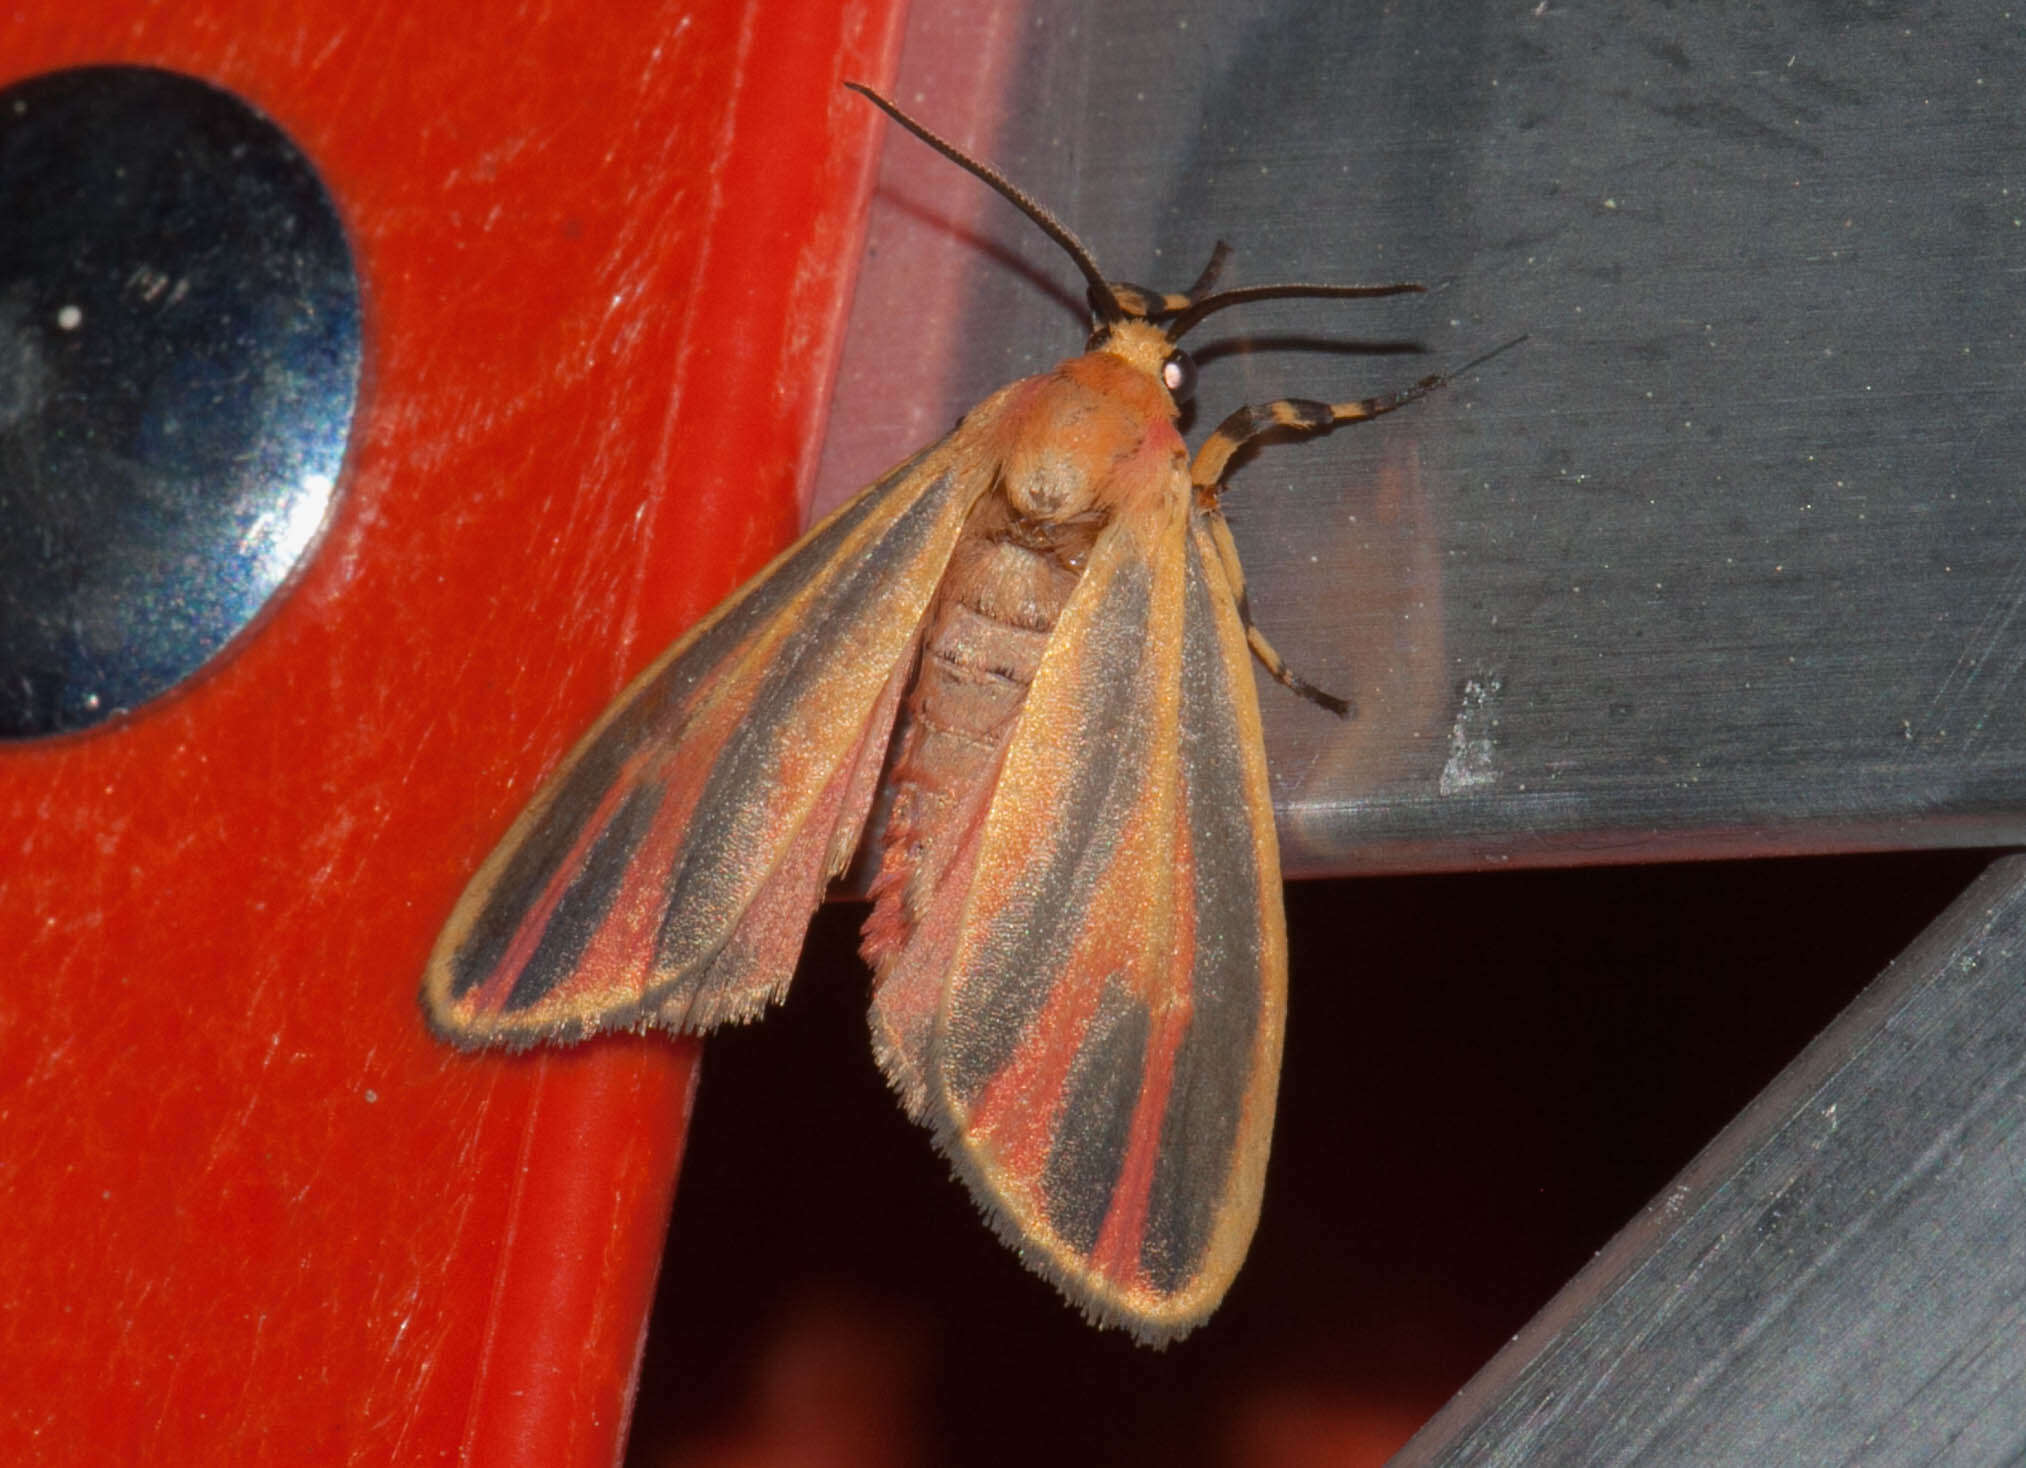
1838,1278
1728,559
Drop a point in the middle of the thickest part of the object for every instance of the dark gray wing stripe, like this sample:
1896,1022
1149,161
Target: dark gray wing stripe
1213,1065
1032,935
1082,1175
718,875
656,711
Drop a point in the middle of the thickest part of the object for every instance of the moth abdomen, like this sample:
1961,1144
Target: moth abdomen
982,643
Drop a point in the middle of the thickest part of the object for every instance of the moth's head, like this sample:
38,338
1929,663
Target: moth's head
1145,326
1145,345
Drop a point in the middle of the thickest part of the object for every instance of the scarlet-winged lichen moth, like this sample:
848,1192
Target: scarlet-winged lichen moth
1035,633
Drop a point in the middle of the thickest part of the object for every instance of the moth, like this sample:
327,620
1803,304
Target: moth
1035,635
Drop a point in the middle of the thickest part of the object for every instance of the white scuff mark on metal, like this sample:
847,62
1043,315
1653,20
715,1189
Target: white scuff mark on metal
1473,745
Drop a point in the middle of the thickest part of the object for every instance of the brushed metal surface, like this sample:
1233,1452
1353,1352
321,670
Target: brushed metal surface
1727,559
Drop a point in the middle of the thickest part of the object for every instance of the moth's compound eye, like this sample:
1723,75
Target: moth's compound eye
1178,375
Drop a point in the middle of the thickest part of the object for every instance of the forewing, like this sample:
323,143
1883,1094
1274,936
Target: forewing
665,873
1104,1060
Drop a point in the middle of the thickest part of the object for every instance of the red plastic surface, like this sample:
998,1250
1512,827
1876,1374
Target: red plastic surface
253,1213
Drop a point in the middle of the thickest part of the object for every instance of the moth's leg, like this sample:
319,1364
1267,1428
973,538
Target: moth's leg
1295,416
1212,520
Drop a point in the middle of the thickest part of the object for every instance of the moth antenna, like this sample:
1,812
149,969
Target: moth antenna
1219,258
1197,310
1103,301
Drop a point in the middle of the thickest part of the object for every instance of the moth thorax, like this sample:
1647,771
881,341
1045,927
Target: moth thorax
1081,421
1047,482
